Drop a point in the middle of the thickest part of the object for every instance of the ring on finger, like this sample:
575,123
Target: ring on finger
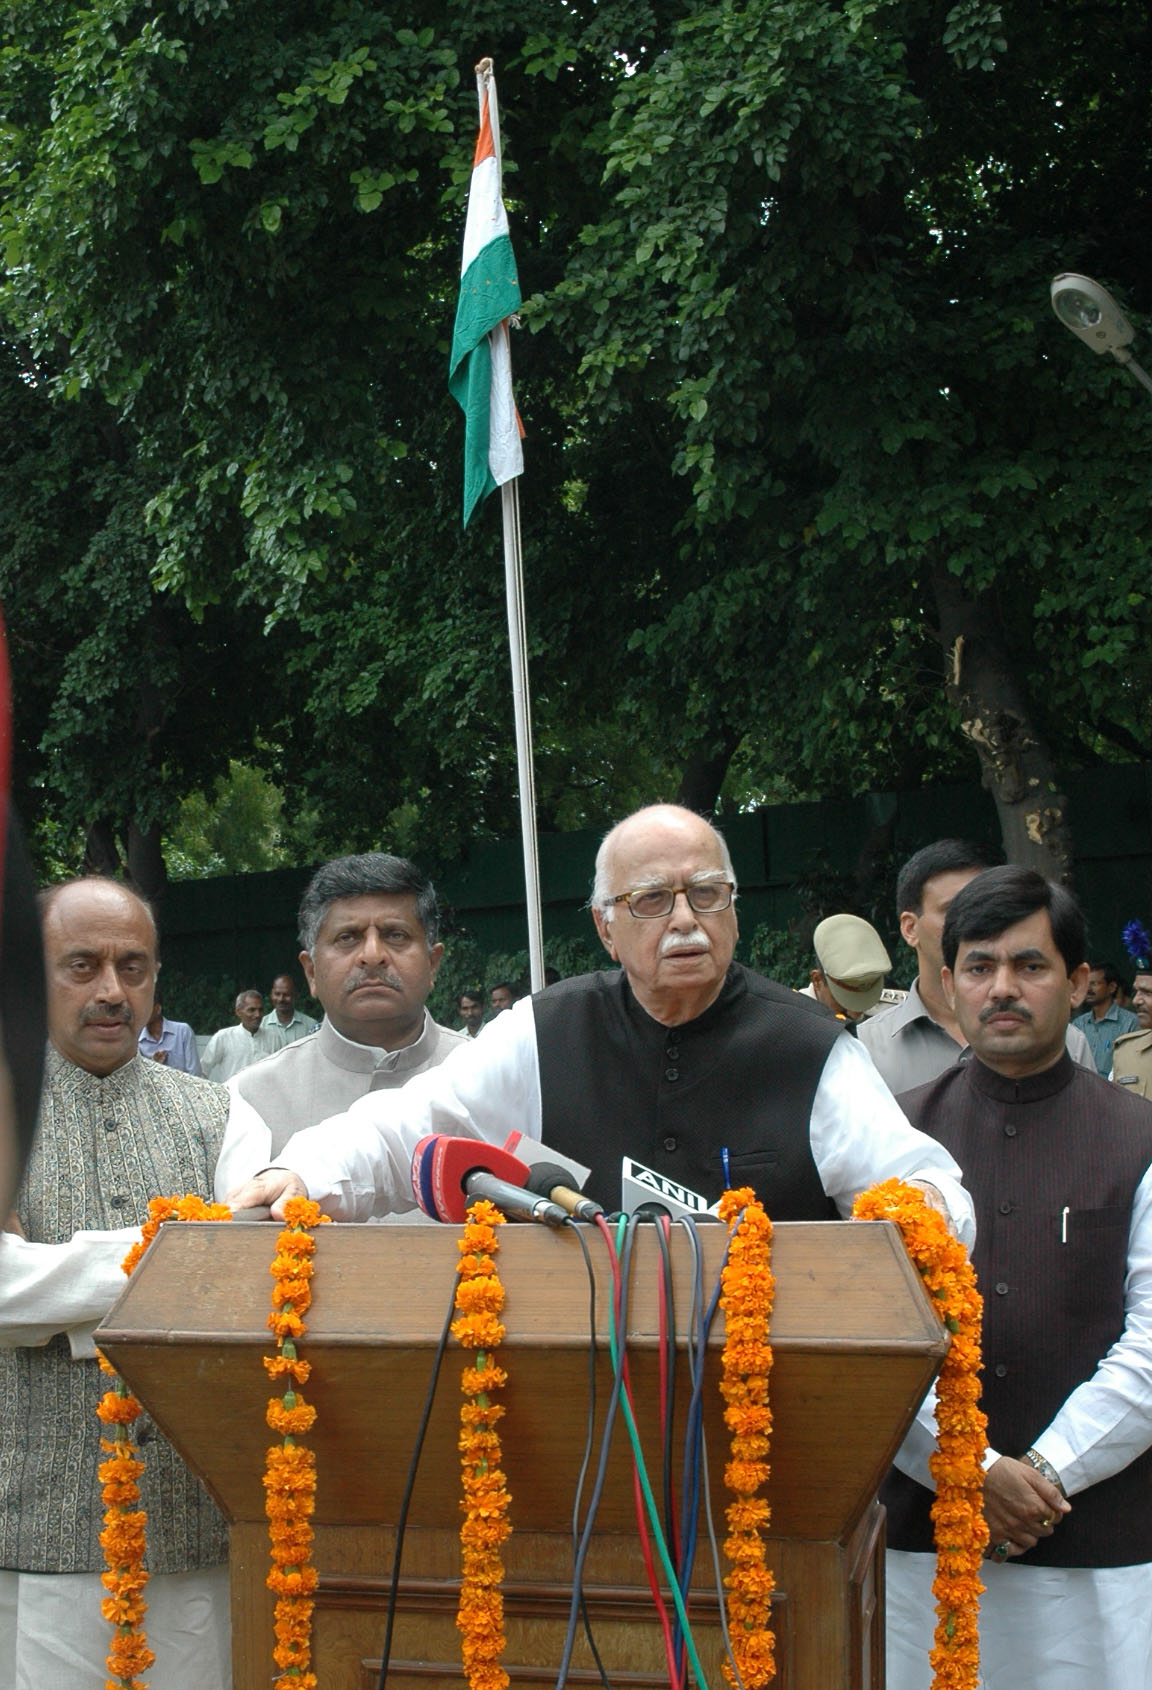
1001,1550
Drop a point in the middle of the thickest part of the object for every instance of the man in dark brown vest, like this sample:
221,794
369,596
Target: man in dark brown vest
1059,1164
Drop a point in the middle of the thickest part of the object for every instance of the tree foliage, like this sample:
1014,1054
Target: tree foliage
831,232
799,416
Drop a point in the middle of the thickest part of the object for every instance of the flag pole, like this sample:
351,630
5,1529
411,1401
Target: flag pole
522,706
480,376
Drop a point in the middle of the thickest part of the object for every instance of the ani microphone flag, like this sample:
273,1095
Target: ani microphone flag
480,372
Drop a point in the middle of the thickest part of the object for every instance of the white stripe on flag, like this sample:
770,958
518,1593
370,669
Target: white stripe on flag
505,452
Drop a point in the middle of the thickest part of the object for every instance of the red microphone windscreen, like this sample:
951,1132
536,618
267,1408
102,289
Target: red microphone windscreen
441,1164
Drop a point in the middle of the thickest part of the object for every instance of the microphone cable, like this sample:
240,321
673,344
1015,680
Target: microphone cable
694,1358
699,1327
714,1547
641,1491
409,1487
589,1436
717,1570
619,1360
667,1338
585,1539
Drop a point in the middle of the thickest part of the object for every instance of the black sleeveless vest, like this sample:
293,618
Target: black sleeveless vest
1052,1162
741,1077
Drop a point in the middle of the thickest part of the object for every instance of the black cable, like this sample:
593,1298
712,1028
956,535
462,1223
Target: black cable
588,1437
695,1364
601,1469
694,1425
409,1487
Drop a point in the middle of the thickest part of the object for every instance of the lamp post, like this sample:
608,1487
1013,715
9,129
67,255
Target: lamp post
1089,310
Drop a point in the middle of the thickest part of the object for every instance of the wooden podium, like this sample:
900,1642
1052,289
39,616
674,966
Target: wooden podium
856,1345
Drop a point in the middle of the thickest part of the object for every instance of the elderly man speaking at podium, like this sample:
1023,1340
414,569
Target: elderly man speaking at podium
684,1059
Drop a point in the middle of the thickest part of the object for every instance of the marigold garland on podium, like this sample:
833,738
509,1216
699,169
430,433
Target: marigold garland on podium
856,1344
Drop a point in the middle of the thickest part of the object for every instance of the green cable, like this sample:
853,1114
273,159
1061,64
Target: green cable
649,1499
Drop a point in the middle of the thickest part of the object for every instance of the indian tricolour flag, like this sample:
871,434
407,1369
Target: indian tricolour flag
480,373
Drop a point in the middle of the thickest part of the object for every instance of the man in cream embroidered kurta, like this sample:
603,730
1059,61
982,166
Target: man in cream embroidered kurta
115,1130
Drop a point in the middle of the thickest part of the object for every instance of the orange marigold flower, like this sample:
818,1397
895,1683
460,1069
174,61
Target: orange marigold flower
478,1332
483,1295
291,1367
290,1422
118,1409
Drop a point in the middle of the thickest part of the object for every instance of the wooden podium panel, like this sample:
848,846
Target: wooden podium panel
856,1346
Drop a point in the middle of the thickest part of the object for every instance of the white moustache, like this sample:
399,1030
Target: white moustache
697,940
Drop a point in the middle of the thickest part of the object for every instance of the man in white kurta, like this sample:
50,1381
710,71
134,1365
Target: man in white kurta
545,1066
234,1048
115,1129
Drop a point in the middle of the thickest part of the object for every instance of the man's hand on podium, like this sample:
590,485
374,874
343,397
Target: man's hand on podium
270,1188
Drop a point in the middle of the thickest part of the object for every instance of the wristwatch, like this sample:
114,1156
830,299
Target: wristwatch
1045,1469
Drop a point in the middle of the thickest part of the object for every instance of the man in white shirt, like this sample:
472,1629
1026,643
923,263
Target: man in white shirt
234,1048
284,1017
682,1058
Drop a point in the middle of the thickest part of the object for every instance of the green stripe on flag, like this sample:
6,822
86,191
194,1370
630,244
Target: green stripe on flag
472,388
489,292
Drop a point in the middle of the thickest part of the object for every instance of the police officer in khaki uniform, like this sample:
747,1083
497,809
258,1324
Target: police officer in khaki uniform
1132,1052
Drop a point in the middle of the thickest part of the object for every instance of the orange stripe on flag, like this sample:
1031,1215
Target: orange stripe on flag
485,146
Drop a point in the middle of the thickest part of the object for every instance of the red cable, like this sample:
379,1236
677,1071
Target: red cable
665,1224
677,1669
637,1491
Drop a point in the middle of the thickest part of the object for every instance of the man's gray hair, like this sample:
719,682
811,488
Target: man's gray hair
602,892
360,877
252,992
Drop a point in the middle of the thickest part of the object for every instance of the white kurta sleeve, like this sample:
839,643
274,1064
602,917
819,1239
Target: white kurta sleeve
212,1055
51,1288
246,1148
1107,1421
860,1136
359,1164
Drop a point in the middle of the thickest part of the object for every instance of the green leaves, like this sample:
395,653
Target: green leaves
212,158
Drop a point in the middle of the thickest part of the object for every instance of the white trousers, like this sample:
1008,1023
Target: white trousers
1041,1628
53,1636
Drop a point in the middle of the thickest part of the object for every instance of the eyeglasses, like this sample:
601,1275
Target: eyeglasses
649,903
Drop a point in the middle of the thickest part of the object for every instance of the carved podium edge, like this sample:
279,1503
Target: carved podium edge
856,1346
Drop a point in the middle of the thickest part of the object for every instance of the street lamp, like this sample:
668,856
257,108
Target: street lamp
1089,310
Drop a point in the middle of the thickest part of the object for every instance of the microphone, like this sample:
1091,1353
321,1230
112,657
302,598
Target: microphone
446,1173
549,1179
515,1200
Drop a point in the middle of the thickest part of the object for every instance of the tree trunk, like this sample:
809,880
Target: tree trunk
145,869
101,852
702,774
983,681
